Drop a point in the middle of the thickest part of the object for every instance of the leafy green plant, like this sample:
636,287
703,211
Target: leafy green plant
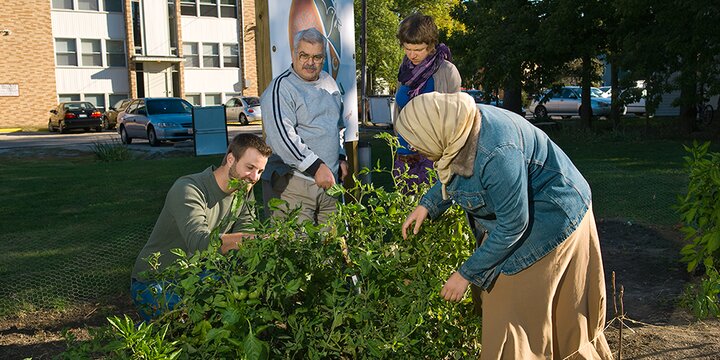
111,151
700,207
351,288
702,299
700,213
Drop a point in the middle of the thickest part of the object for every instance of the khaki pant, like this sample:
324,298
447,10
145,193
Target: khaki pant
554,309
315,204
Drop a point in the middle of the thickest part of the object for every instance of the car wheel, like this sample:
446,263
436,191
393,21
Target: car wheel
243,119
50,127
99,128
124,136
152,137
105,124
541,112
61,127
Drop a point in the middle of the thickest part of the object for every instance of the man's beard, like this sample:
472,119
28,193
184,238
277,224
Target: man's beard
235,176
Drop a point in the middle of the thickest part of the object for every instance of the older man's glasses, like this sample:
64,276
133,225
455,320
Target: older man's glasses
315,58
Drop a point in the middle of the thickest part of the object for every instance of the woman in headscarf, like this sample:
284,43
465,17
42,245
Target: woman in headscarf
540,267
426,67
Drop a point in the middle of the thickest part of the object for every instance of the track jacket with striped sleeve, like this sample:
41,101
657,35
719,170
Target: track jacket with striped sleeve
302,122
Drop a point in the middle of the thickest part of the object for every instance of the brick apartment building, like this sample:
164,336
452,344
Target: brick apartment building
103,51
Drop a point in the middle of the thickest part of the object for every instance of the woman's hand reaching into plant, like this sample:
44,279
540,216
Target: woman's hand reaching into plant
417,216
455,287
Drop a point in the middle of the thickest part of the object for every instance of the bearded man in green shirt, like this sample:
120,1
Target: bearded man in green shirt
194,206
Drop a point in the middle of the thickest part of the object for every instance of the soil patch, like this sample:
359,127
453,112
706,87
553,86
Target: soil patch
644,258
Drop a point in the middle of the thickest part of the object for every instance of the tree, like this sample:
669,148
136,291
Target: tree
384,52
495,49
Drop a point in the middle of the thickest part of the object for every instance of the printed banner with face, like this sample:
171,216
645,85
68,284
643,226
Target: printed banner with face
334,19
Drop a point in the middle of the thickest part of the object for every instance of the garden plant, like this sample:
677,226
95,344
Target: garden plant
348,289
700,212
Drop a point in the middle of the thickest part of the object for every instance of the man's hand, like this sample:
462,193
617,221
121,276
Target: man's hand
344,171
233,241
324,178
417,216
455,287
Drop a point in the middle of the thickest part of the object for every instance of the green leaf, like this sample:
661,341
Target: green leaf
255,349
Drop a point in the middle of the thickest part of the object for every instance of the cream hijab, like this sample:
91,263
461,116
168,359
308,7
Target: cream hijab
438,126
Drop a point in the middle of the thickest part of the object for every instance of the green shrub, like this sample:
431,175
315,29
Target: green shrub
290,292
702,299
111,151
700,214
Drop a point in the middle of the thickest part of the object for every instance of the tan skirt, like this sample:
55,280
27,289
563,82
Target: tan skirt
555,309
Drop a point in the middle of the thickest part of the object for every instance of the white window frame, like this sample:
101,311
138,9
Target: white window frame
108,53
74,53
96,55
214,57
192,55
236,61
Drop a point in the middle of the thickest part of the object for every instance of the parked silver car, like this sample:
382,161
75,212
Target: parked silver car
566,102
243,109
156,119
635,107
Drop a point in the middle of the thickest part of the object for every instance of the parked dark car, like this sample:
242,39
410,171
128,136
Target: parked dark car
109,118
75,115
243,109
482,98
156,119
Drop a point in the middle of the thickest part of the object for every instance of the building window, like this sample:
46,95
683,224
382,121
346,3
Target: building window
65,52
193,99
188,7
115,52
68,97
116,98
208,8
96,99
228,8
91,5
230,56
213,99
62,4
137,27
113,5
211,55
190,52
91,53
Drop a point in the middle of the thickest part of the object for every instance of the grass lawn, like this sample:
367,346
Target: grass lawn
72,227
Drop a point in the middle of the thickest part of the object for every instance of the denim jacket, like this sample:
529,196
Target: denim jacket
524,191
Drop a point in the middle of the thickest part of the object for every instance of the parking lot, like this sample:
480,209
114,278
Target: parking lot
20,142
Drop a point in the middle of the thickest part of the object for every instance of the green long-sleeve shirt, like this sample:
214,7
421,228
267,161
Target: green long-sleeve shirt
194,206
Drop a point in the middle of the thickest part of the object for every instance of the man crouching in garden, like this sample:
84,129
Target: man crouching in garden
195,205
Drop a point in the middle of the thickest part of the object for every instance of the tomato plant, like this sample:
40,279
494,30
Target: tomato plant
289,293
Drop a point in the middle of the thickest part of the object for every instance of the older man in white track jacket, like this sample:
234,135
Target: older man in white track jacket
302,119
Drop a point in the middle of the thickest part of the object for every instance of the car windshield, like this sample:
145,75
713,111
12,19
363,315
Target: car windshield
168,106
79,106
252,101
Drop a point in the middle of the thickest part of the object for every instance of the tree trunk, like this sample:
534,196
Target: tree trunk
615,95
585,107
512,99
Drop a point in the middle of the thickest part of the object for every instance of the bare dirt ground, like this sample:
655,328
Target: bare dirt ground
643,258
